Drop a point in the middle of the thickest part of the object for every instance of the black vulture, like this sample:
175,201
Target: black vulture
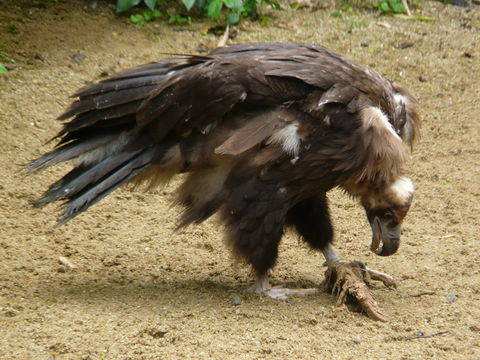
263,131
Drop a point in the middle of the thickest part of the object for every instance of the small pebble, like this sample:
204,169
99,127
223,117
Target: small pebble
475,328
10,313
460,3
356,340
236,300
452,297
78,58
39,57
404,45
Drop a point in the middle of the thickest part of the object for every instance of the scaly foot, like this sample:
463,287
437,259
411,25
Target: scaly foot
263,287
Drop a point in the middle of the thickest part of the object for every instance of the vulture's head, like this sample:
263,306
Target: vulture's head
386,208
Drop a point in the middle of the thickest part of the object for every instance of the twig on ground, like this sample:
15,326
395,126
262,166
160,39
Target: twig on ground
412,295
63,260
422,336
407,8
223,40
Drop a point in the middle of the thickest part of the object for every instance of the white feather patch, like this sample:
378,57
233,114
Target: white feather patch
373,116
402,188
288,138
326,120
399,99
407,130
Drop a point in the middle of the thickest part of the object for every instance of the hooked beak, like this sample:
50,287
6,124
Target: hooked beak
389,238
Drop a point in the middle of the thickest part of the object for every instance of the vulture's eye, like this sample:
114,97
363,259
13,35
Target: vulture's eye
388,215
390,219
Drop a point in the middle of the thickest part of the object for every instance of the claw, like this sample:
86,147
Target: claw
387,280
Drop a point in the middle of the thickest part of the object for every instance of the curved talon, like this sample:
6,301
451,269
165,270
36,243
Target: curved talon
387,280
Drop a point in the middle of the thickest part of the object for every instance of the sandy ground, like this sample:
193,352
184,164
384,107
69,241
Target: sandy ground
142,291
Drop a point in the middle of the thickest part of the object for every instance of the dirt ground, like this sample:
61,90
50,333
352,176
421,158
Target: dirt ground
141,291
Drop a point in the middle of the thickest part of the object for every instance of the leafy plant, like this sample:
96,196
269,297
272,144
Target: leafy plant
235,9
179,19
345,9
141,18
390,6
124,5
3,69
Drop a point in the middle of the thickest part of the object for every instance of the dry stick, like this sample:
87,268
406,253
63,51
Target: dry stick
412,295
223,40
424,336
422,293
407,9
63,260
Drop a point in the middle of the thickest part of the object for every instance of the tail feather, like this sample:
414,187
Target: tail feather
51,194
102,164
109,147
70,151
91,175
103,186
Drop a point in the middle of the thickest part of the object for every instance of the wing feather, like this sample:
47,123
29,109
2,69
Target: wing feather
255,131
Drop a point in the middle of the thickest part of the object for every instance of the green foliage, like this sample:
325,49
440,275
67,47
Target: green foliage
345,9
390,6
179,19
188,4
214,8
234,10
11,28
141,18
124,5
3,69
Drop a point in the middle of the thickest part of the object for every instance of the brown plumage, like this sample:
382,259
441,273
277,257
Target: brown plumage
264,131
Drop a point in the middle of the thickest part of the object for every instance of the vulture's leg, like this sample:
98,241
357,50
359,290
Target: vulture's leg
255,235
311,219
263,259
